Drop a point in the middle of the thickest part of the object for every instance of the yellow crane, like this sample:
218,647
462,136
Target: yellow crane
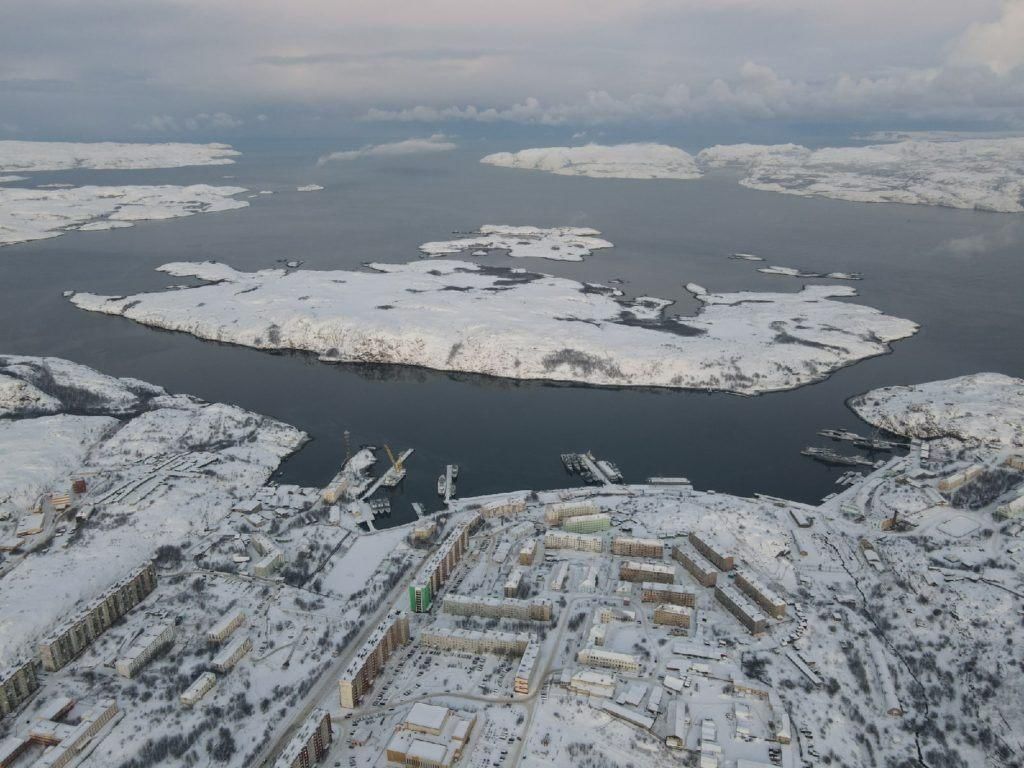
396,463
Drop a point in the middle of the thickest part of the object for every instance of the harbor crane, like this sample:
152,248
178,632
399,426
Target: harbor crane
396,463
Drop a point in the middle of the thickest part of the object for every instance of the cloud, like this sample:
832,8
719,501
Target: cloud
998,45
204,121
436,143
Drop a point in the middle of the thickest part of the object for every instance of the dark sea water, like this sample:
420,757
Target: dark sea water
956,273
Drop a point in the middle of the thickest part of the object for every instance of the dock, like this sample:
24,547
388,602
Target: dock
392,477
592,470
828,456
446,482
668,481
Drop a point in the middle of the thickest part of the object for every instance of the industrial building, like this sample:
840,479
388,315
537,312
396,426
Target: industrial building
310,743
739,606
232,653
439,567
635,570
358,677
753,588
498,608
595,657
17,683
587,523
73,636
590,683
506,508
554,514
528,552
430,737
222,630
199,688
581,542
146,646
713,550
513,582
627,546
673,615
653,592
698,566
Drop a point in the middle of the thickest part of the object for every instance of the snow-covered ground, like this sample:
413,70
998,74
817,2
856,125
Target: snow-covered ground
620,161
455,315
980,408
984,174
35,214
155,478
556,243
28,156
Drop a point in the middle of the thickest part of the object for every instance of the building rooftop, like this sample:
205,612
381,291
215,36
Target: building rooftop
427,716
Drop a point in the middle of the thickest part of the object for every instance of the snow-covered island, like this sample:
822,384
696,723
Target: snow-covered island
29,156
620,161
779,271
982,173
555,243
983,408
460,316
36,214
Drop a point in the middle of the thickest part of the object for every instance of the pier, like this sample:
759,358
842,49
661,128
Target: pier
592,470
392,477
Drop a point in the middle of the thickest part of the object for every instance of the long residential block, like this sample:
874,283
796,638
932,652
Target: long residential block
232,653
765,597
674,594
17,683
581,542
673,615
739,606
310,743
587,523
713,550
72,637
635,570
698,566
498,608
149,644
628,546
222,630
595,657
358,677
554,514
439,567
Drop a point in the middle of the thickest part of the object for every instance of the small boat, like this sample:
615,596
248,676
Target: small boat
442,485
454,470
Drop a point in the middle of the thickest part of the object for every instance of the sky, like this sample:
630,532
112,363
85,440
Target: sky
221,69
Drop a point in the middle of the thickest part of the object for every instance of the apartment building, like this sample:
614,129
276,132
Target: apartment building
528,552
587,523
673,594
673,615
581,542
153,640
554,514
756,590
698,566
498,608
627,546
310,743
439,567
232,653
222,630
713,550
505,508
513,582
17,683
72,637
199,688
739,606
358,677
636,570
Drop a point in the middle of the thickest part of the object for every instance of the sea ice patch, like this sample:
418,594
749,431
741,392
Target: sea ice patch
555,243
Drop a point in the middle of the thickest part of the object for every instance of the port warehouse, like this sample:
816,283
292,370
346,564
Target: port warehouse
74,636
358,677
498,608
310,743
501,643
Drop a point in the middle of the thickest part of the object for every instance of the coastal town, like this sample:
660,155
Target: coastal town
601,625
